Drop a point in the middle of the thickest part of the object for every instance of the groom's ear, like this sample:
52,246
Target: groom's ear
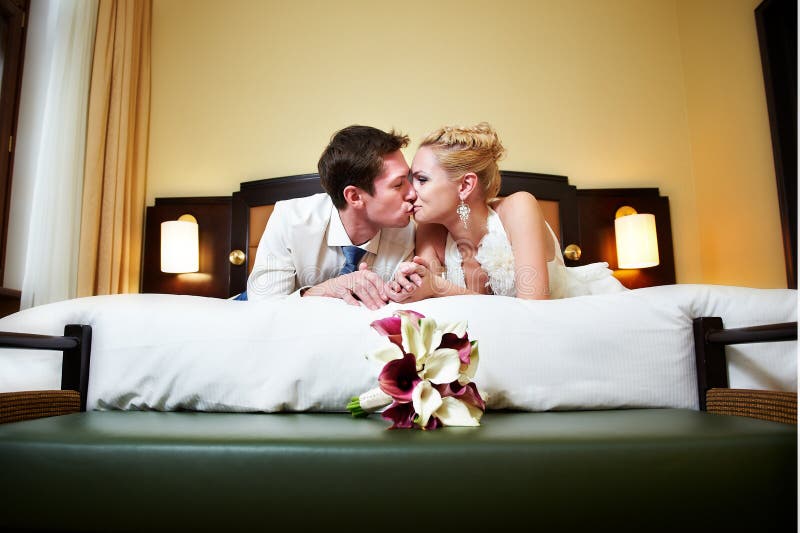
468,184
353,196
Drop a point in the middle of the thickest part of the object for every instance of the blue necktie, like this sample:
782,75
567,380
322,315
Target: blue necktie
352,255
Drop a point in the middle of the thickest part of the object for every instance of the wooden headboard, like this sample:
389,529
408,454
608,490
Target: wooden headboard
582,217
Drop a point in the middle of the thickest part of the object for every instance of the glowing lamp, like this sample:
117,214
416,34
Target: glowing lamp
637,244
180,249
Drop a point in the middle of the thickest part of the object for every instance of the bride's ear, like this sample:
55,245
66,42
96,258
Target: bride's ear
469,182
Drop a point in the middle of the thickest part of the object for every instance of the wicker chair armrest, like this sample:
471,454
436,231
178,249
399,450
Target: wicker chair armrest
714,394
777,406
76,345
27,405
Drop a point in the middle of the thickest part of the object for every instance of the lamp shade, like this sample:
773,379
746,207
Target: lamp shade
637,245
179,247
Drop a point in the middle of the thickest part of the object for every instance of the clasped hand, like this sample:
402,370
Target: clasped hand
412,282
362,286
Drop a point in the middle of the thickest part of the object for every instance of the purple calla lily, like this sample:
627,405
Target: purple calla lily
461,345
390,326
466,393
399,377
400,414
387,326
433,423
408,313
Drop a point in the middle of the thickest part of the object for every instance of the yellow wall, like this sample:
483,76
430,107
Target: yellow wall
737,202
591,89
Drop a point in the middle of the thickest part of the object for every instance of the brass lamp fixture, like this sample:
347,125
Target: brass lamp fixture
637,242
572,252
236,257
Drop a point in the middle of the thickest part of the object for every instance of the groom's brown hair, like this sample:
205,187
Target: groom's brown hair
355,157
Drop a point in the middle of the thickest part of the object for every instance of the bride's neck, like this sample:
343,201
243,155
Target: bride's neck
470,236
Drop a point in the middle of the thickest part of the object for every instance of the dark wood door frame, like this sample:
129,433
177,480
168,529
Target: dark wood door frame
776,22
14,14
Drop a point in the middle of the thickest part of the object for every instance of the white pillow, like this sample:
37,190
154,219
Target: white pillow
627,349
594,278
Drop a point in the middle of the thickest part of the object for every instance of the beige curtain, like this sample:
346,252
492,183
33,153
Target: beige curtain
116,150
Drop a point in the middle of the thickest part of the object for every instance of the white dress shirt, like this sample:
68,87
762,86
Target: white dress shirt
301,247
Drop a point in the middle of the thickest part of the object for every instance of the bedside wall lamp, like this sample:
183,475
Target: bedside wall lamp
180,245
637,244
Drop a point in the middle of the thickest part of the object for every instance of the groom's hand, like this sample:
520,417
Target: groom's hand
363,286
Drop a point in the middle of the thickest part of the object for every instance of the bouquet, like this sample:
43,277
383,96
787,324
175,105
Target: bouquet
427,374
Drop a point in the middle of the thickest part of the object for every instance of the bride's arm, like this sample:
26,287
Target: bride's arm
530,242
426,269
429,245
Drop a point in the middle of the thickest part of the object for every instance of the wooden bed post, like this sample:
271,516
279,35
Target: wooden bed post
75,363
712,368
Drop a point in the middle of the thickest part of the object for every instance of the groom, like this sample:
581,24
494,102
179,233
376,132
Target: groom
346,243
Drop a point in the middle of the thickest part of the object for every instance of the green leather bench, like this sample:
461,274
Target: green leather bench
622,470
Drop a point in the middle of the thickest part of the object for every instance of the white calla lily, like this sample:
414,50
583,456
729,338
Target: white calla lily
431,335
386,354
459,329
442,366
454,412
420,338
409,329
426,401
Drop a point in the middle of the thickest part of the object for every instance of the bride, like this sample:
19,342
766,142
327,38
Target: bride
468,240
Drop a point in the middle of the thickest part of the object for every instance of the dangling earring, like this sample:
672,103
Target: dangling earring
463,211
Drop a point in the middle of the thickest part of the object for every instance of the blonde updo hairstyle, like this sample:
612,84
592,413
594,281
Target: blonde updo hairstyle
473,149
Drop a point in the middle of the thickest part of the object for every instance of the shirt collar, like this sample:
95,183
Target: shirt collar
337,235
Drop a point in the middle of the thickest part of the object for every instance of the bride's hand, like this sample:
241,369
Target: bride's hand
413,281
405,282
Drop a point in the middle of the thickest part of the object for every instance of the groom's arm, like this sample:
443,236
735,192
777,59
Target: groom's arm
363,285
368,286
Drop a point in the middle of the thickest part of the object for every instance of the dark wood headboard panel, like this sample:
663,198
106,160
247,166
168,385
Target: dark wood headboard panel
584,217
597,208
213,214
258,193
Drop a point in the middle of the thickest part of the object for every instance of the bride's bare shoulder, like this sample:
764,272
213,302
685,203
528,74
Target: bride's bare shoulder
515,203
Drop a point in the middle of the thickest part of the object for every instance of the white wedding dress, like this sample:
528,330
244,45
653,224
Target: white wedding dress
497,259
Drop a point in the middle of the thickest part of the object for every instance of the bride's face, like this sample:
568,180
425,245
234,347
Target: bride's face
437,195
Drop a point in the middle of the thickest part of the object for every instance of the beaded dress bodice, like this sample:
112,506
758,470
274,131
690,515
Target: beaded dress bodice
497,259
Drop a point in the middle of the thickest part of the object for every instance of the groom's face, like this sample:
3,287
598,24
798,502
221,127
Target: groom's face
392,202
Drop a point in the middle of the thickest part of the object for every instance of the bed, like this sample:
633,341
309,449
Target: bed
606,411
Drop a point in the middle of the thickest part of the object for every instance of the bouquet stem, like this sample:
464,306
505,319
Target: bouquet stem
369,402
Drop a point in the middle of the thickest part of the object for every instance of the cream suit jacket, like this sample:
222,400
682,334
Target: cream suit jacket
301,247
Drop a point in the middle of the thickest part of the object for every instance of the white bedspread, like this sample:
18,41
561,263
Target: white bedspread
628,349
